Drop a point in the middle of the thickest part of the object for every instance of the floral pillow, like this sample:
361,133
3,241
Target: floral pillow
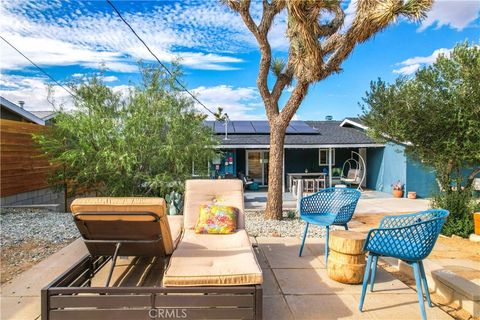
218,219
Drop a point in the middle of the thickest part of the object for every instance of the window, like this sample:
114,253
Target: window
323,157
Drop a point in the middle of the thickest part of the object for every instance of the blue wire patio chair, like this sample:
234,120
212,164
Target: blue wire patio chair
330,206
408,237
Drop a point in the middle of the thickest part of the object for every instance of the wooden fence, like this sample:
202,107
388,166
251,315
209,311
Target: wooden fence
22,166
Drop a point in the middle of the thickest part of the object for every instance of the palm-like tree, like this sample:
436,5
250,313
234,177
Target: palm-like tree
317,50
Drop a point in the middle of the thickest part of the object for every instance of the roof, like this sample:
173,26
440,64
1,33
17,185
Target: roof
354,122
328,133
257,127
27,115
44,115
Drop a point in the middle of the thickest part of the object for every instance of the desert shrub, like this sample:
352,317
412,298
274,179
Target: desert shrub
461,205
142,143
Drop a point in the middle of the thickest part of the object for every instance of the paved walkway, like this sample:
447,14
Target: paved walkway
299,288
294,288
370,202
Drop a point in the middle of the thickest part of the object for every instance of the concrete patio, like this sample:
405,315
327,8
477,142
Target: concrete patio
294,288
370,202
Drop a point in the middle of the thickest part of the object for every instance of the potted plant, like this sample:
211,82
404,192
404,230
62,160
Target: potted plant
397,189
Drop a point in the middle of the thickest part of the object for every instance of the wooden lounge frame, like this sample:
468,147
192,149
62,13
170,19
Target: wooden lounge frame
71,296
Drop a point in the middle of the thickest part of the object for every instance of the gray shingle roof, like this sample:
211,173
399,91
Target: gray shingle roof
329,133
43,114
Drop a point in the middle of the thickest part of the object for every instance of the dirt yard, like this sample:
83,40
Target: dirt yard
20,257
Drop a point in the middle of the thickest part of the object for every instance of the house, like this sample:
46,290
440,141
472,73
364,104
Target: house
12,111
24,171
318,147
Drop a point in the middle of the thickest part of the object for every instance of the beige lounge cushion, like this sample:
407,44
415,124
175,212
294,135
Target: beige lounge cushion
123,205
176,226
213,260
227,192
229,267
192,240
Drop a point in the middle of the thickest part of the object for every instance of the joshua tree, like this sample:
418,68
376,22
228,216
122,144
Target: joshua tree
317,49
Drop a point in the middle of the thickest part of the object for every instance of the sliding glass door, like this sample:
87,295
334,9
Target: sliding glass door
257,166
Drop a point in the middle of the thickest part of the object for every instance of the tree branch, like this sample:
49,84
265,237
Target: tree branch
371,17
293,102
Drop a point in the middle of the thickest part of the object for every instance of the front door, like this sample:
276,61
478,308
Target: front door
257,166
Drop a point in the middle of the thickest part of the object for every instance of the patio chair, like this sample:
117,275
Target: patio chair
408,237
328,207
202,276
130,226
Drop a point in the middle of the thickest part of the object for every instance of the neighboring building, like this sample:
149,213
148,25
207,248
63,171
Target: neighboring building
11,111
24,172
308,146
47,116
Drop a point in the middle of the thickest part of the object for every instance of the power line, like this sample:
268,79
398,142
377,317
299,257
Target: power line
39,68
158,60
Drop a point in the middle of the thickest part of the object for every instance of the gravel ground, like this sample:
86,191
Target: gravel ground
30,235
18,225
288,227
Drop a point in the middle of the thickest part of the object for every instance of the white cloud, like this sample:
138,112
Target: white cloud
411,65
456,14
350,13
109,79
65,33
34,91
238,102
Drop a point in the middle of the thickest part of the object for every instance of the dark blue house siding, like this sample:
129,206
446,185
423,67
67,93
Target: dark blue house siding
297,160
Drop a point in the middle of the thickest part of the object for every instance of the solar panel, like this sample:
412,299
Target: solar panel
291,130
302,127
261,126
243,127
219,127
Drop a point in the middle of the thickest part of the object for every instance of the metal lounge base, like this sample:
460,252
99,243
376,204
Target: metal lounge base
74,296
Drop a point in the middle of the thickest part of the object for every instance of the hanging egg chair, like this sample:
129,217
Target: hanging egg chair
355,171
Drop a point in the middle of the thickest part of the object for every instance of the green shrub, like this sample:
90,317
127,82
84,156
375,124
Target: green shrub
141,144
461,205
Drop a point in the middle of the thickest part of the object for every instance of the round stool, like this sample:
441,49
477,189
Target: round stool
346,259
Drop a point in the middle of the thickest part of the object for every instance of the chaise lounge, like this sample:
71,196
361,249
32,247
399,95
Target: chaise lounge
171,271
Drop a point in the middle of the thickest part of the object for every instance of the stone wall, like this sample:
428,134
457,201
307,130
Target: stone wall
36,197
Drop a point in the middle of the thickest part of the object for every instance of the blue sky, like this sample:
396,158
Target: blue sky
71,38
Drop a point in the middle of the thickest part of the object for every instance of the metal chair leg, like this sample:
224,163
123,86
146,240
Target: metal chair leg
346,226
114,261
425,284
418,281
365,281
326,244
374,271
303,240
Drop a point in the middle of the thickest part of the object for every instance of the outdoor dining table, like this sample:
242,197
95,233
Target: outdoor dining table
301,175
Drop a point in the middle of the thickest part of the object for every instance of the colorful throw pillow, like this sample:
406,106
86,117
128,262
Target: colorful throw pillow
218,219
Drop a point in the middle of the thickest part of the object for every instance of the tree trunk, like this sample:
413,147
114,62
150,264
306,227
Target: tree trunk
275,172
